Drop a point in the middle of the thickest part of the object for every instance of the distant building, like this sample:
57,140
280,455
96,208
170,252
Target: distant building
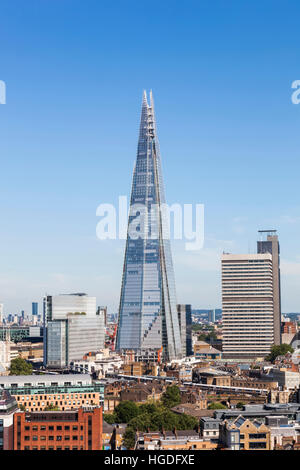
247,297
1,313
8,406
173,440
251,301
243,434
58,430
209,427
286,378
73,328
35,308
204,350
64,391
212,316
271,245
185,325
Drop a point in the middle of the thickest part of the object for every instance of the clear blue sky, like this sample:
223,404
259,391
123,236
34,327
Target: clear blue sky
221,74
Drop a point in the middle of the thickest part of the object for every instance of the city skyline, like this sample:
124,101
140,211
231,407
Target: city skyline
229,137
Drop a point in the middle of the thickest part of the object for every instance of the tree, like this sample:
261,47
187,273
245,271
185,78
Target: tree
164,420
125,411
240,404
216,406
19,366
129,438
148,408
109,418
51,407
279,350
186,422
171,397
142,422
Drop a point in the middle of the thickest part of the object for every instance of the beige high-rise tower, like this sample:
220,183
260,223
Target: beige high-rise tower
271,245
251,301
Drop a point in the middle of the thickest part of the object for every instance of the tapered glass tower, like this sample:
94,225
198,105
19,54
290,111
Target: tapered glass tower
148,319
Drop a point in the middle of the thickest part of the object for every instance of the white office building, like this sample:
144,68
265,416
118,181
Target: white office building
73,328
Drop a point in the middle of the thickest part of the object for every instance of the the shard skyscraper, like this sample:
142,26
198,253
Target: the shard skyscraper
148,319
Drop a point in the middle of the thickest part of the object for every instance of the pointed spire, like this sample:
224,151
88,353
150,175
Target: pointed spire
145,102
151,100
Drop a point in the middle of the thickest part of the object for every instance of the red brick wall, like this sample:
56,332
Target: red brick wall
85,432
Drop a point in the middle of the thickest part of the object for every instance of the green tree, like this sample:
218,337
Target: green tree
240,404
186,422
125,411
142,422
129,438
22,407
164,420
148,408
279,350
109,418
216,406
19,366
51,407
171,397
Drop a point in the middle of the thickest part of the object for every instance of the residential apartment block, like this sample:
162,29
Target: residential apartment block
248,305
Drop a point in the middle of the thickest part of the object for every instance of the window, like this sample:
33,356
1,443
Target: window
75,438
257,445
257,436
58,438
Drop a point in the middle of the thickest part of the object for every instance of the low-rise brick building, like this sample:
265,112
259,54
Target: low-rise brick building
58,430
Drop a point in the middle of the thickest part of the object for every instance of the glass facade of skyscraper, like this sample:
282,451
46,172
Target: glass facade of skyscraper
148,317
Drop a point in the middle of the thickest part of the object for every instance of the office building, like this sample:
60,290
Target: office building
271,245
72,327
1,313
35,308
64,391
211,316
185,325
248,313
148,318
58,430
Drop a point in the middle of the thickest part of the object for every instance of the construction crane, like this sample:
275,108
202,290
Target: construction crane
112,336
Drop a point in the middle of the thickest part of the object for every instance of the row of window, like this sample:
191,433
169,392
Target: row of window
52,448
51,438
51,428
